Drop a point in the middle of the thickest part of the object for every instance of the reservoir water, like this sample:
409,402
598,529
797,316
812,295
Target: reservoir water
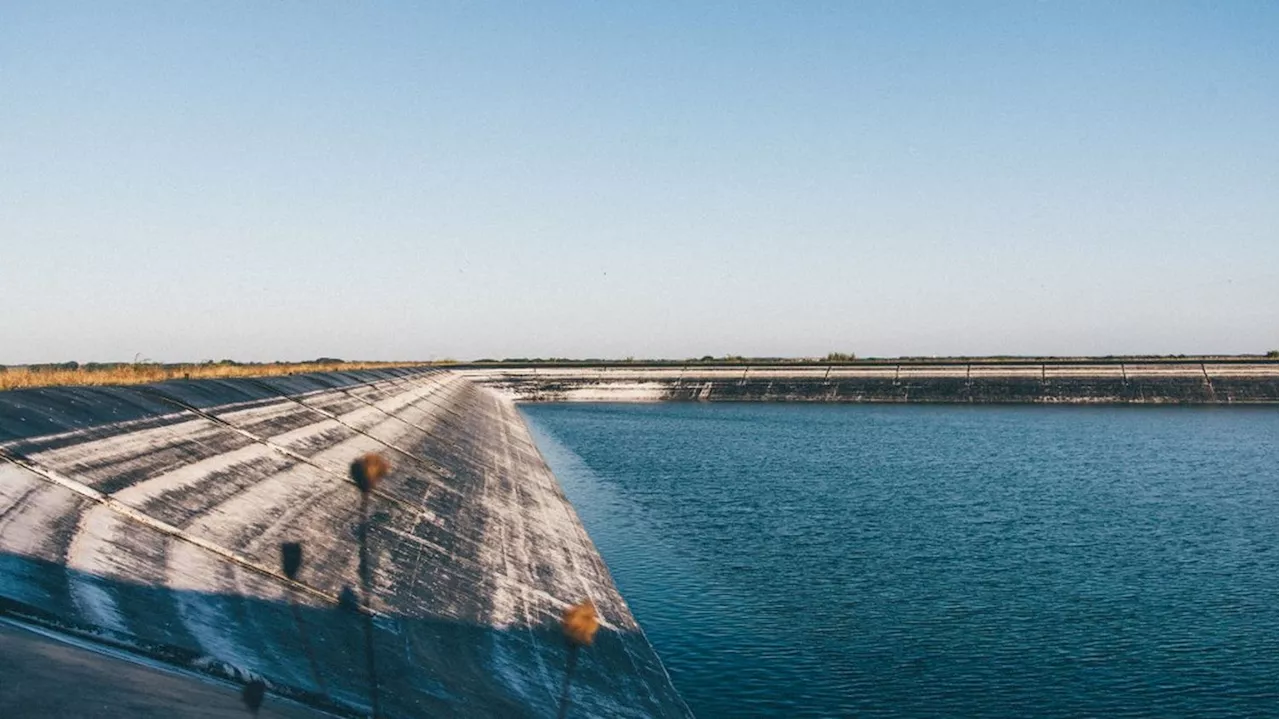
922,561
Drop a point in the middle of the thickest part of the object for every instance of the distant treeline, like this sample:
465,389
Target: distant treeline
107,373
109,366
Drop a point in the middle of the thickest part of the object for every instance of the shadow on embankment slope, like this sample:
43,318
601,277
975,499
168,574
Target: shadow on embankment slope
315,654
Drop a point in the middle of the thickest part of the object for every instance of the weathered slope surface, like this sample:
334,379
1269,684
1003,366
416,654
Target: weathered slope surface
152,517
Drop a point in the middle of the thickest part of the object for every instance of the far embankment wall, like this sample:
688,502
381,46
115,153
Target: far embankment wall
1076,382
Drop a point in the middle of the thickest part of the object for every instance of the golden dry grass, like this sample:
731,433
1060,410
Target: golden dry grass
21,377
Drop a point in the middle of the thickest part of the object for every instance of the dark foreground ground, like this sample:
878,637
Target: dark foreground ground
45,677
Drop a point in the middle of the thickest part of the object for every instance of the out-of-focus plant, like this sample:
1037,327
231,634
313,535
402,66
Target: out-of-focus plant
579,625
291,559
367,472
291,563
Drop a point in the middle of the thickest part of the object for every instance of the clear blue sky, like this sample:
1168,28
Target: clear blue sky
283,180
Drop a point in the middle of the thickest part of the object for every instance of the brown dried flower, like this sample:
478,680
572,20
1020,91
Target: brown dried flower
368,470
580,623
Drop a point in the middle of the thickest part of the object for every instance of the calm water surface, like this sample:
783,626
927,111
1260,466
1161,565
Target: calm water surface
819,560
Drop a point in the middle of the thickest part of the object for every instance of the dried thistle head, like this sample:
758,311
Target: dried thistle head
368,470
580,623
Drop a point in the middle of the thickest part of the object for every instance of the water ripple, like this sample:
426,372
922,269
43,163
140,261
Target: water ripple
819,561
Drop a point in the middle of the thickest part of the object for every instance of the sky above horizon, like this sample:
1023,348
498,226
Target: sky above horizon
288,180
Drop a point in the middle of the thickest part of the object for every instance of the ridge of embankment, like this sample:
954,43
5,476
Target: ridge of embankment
1069,382
151,518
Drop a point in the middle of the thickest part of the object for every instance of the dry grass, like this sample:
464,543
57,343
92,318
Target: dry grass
20,377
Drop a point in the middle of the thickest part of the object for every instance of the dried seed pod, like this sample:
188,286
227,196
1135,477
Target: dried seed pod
368,470
291,558
580,624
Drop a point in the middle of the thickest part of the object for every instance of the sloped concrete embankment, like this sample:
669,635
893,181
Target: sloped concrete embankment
152,518
988,383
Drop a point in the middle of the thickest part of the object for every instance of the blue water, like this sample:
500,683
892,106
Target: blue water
922,561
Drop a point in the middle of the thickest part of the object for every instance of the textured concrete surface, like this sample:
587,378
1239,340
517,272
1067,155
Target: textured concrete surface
150,519
997,382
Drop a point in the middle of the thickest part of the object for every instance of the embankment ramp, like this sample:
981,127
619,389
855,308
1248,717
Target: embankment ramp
151,518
